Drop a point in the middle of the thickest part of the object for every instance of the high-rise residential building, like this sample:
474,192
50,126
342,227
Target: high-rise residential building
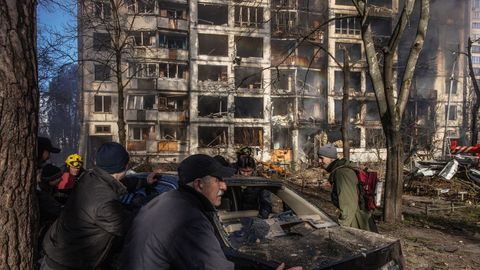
212,76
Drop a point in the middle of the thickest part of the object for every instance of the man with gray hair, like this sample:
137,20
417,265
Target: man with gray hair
345,189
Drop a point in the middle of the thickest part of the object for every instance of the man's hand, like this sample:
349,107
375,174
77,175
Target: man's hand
152,178
282,267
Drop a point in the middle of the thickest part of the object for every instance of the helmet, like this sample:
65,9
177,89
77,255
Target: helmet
74,160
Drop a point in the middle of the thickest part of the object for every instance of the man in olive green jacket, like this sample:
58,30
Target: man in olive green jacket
345,189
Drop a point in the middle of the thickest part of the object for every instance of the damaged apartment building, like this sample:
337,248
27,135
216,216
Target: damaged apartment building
212,76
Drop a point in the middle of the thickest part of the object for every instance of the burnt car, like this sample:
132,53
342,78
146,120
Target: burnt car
296,232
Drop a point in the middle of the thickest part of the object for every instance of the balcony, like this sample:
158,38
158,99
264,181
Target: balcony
141,115
179,116
159,83
142,22
153,53
174,24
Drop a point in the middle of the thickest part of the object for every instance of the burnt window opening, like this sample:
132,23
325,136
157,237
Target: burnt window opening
354,51
212,73
101,73
102,41
453,112
173,11
173,70
283,21
280,50
374,138
355,79
334,135
381,26
212,136
103,104
354,107
141,102
311,81
248,107
368,84
372,111
103,9
172,132
248,16
172,103
102,129
212,14
283,79
212,106
249,46
248,77
350,25
144,38
251,136
281,138
282,106
309,56
212,45
310,109
172,41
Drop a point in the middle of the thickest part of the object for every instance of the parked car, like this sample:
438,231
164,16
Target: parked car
297,232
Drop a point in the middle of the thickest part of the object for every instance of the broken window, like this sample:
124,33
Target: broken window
212,14
103,104
212,73
212,45
381,26
248,107
353,111
282,106
354,51
380,3
355,78
145,70
450,84
372,111
281,138
248,16
172,132
172,41
212,136
284,4
249,46
453,112
343,2
212,106
140,133
283,21
283,79
251,136
310,109
374,138
309,56
334,134
248,77
102,129
347,24
102,73
280,50
173,11
103,9
311,81
141,6
143,102
101,41
368,84
171,103
144,38
173,70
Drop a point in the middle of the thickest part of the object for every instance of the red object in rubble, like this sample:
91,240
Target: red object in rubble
455,149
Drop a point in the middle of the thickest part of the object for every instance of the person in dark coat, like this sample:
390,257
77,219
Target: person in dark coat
345,189
93,219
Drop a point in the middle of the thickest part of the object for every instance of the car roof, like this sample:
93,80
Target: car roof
252,181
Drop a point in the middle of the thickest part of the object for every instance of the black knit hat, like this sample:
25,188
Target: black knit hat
198,166
112,157
50,173
45,144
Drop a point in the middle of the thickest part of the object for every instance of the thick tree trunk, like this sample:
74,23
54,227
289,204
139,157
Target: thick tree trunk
476,88
18,133
394,175
345,118
122,133
474,127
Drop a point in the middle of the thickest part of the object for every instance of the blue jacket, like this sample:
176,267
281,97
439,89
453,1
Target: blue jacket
175,231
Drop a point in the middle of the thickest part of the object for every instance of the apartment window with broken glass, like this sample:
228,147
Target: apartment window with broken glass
141,102
145,70
354,51
102,9
172,41
102,129
102,104
144,38
449,83
102,73
172,103
141,6
248,16
453,112
249,46
212,14
347,24
139,133
248,77
173,70
101,41
284,21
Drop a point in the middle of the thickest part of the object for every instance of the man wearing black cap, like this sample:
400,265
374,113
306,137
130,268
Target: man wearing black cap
45,147
175,230
93,218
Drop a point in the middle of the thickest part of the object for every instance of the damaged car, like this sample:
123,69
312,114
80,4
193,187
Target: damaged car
296,232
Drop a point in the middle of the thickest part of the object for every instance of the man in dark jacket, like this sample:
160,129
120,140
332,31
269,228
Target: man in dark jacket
345,188
93,218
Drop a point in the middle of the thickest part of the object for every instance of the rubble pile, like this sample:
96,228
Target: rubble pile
311,177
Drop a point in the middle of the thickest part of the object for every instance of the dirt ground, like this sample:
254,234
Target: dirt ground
442,240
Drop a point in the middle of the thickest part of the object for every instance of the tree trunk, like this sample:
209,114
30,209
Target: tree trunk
122,133
19,100
394,175
345,118
476,88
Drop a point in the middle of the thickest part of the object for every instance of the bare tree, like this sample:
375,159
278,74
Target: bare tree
476,102
390,100
18,133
